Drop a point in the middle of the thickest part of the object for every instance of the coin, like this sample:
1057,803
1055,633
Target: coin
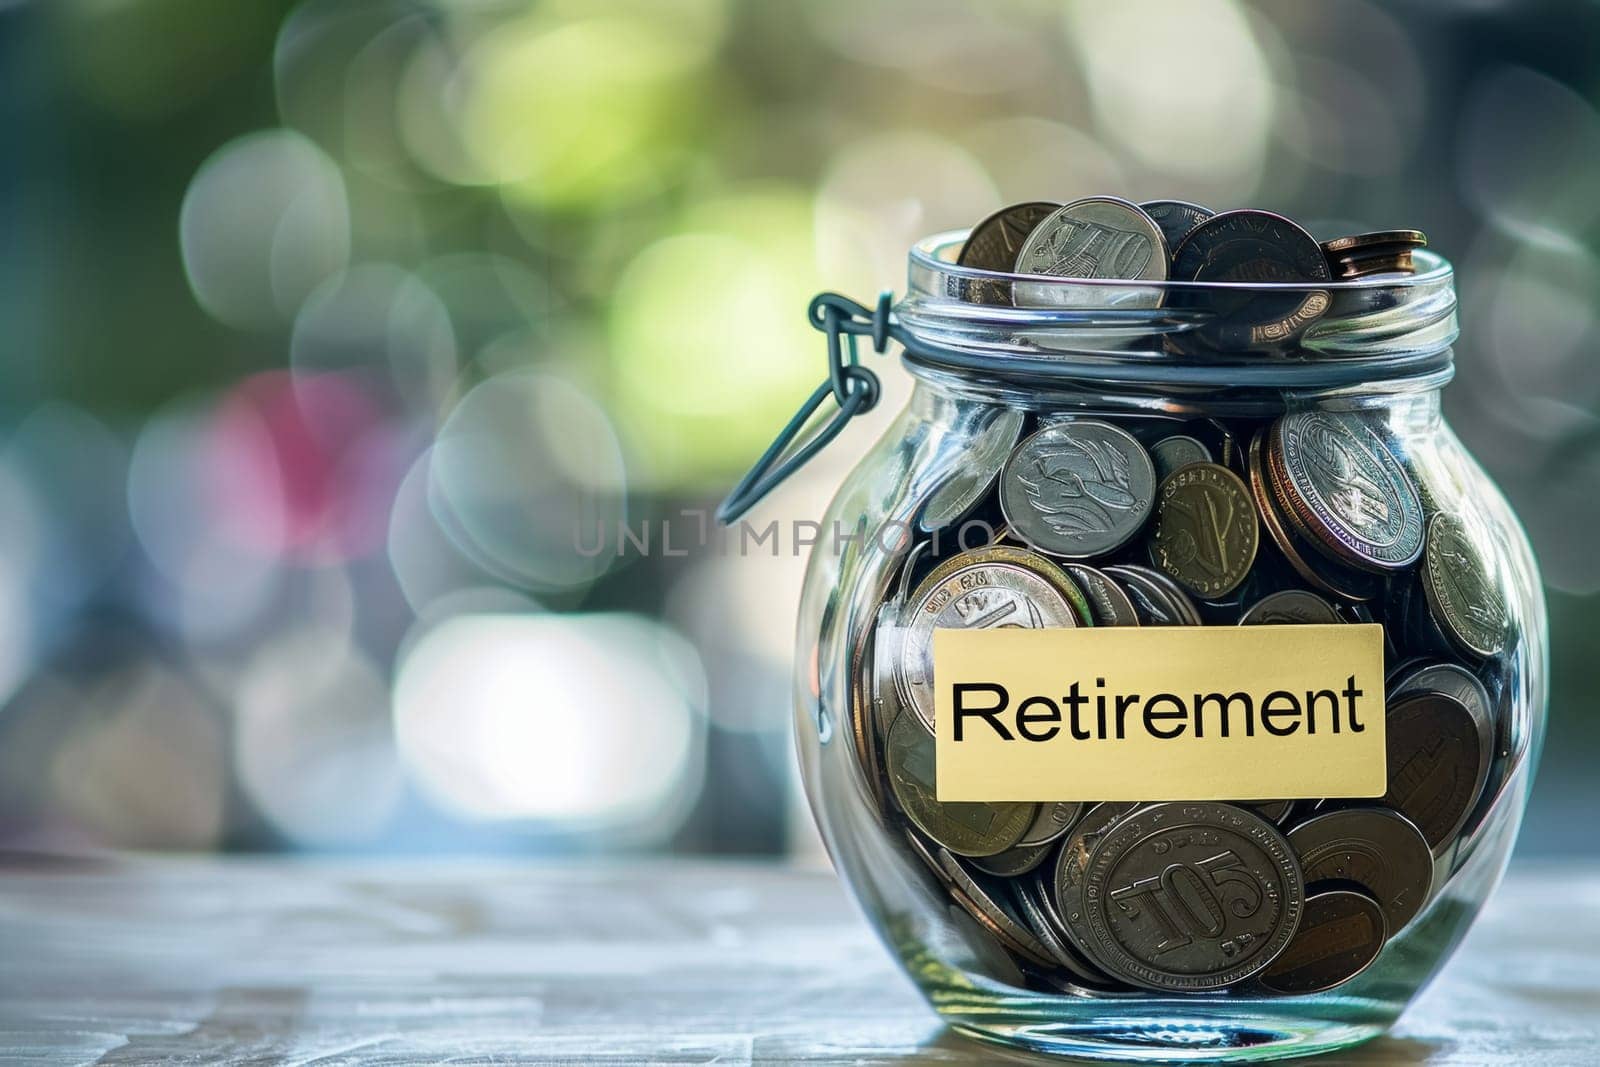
1378,849
1341,933
1066,888
1460,591
998,586
968,828
1176,451
1290,606
1055,818
1012,934
1343,486
1460,683
1190,896
994,243
1434,764
1107,600
1037,904
1205,534
1014,861
1177,218
1163,602
1380,252
1096,237
970,482
1339,581
1078,489
1252,247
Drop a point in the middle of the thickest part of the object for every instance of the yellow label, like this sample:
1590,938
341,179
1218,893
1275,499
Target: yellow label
1160,713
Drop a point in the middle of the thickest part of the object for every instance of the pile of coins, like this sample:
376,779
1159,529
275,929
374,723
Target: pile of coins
1108,238
1314,516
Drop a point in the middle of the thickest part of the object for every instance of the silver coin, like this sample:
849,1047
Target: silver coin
1344,486
1109,602
995,587
1461,592
1096,237
1078,489
1291,606
1055,818
1073,860
970,482
1378,849
1464,686
1177,218
1011,933
1176,451
1034,901
1164,603
1190,896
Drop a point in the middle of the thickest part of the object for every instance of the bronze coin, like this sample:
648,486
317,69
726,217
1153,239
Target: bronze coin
1435,764
993,245
1205,534
1290,607
1341,932
1380,252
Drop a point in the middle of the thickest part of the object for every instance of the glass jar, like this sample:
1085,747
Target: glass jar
1192,372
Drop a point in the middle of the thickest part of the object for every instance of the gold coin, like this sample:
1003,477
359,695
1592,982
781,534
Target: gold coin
1205,534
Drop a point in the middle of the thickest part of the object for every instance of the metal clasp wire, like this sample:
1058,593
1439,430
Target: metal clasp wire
853,387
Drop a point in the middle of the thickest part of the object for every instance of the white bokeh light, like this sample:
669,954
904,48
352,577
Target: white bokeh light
582,722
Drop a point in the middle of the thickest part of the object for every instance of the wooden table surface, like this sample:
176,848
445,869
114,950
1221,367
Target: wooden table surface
199,961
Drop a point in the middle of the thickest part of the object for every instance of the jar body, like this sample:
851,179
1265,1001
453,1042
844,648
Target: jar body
878,544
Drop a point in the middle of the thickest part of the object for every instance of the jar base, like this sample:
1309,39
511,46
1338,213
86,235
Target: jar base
1155,1038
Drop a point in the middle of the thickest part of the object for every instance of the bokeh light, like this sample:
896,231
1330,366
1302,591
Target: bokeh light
587,722
264,221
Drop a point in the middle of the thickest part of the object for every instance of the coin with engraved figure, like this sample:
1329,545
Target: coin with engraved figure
1290,607
1177,218
1341,932
995,587
1096,237
1191,896
967,828
1177,450
1376,848
1459,588
1456,681
1205,534
1436,766
1078,489
1344,582
1252,247
994,243
1343,486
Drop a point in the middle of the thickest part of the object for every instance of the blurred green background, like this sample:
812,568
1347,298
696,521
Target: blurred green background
326,321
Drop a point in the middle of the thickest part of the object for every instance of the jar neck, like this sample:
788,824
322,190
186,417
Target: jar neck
940,391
